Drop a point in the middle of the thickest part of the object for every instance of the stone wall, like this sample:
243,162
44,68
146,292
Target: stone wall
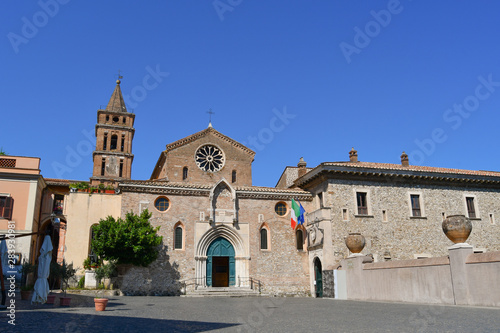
282,269
464,278
403,236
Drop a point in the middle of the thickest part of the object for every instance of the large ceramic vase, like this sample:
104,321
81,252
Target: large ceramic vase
457,228
100,303
355,242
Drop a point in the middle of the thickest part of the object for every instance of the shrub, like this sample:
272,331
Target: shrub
130,241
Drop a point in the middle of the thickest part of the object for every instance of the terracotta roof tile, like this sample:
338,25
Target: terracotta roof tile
389,166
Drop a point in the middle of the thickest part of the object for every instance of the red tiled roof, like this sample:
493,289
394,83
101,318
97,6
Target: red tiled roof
389,166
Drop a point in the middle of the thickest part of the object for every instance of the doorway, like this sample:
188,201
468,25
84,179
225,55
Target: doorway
318,278
220,264
220,272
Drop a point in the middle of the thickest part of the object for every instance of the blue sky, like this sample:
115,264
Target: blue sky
289,79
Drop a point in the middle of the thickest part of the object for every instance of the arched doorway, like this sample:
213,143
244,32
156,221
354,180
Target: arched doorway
318,278
220,264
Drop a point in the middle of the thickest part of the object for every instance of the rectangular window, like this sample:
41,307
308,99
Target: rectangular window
362,203
415,205
6,204
105,142
492,220
384,215
471,209
121,168
320,199
123,142
103,166
345,216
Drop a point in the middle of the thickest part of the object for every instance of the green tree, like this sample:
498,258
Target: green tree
2,153
130,241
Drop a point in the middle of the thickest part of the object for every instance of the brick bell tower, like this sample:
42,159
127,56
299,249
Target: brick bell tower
114,133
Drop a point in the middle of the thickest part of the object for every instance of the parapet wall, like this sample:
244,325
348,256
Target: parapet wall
463,278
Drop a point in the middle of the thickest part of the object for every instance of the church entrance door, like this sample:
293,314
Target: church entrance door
220,272
220,264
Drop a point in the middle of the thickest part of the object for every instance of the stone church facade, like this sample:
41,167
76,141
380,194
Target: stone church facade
220,231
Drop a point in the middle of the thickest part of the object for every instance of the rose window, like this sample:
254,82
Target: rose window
209,158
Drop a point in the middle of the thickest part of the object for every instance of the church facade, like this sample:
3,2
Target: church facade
221,231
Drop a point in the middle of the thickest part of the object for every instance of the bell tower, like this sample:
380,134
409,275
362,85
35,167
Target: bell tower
114,133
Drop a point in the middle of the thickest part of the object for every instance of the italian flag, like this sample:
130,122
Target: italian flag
295,213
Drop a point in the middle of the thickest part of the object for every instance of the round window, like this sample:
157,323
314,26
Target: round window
209,158
280,208
116,119
162,204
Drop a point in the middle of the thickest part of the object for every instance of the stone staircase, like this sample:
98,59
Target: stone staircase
223,292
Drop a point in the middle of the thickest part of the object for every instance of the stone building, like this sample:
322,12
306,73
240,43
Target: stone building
399,208
221,231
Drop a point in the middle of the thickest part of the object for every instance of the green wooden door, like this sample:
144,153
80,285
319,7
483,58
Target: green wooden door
319,278
220,248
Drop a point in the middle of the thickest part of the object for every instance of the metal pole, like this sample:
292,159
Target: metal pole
4,294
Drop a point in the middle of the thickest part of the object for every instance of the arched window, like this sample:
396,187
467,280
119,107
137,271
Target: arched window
299,235
233,177
114,141
178,238
263,239
184,173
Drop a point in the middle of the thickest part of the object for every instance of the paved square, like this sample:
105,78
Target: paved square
258,314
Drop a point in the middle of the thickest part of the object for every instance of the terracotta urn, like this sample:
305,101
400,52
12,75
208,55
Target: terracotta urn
355,242
100,303
457,228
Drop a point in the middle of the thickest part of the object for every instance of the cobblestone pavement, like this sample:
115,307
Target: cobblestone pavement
257,314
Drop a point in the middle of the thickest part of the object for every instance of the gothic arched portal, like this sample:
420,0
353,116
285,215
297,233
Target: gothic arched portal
220,264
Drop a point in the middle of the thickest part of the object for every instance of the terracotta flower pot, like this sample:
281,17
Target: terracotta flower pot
100,304
355,242
25,294
51,299
457,228
65,301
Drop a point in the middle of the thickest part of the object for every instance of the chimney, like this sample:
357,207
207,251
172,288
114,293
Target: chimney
404,160
353,155
302,167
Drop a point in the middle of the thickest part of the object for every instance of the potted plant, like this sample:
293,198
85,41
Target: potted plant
101,187
66,272
109,189
107,271
26,289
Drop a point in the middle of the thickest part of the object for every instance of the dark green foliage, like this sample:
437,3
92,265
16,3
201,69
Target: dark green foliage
81,282
105,271
130,241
